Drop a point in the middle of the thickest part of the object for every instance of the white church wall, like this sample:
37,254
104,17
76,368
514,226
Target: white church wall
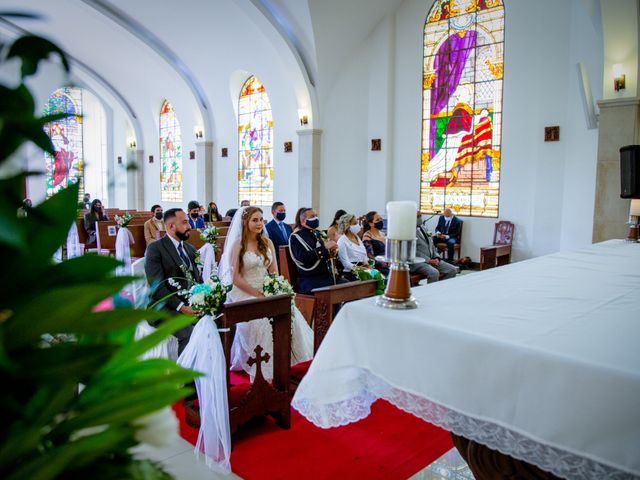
546,188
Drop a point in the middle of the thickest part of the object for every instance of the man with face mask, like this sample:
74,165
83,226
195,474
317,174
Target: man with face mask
311,254
173,257
154,225
433,266
195,220
279,232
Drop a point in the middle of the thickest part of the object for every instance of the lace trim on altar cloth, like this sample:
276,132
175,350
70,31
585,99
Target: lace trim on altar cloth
506,441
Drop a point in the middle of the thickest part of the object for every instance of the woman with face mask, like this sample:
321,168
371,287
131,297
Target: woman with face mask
351,250
95,214
212,215
374,240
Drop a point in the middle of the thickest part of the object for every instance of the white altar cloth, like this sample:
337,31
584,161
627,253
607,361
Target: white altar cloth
539,359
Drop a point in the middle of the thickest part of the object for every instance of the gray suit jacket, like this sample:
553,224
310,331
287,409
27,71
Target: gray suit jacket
424,245
162,262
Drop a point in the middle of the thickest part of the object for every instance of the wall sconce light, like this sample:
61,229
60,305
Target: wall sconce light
199,132
150,158
304,118
225,152
618,77
376,144
132,144
119,160
288,147
192,155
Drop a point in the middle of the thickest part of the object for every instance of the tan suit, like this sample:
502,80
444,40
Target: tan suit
151,230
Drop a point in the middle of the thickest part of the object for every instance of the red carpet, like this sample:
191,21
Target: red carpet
388,444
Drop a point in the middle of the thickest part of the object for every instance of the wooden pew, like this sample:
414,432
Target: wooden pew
260,398
106,236
140,244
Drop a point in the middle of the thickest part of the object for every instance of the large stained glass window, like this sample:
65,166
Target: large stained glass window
67,165
255,144
462,107
170,155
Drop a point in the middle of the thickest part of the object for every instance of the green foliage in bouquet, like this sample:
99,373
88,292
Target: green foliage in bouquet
371,274
70,409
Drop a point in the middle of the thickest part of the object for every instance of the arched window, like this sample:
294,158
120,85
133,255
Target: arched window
255,144
462,107
67,166
170,155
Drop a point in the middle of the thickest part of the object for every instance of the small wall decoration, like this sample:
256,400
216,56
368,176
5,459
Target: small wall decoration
225,152
111,230
551,134
192,155
119,160
288,147
376,144
150,158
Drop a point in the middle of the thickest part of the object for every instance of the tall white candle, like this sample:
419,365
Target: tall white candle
401,220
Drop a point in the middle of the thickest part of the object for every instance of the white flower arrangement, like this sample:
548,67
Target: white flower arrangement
210,235
276,285
208,298
123,221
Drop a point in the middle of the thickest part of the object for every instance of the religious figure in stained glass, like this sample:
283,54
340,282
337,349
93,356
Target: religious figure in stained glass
66,167
462,107
170,155
255,145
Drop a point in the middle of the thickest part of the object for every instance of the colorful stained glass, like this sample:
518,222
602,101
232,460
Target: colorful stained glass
66,167
170,155
255,144
462,107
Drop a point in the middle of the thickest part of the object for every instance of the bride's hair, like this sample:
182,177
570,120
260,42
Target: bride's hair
263,246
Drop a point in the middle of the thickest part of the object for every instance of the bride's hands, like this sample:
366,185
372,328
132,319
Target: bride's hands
258,294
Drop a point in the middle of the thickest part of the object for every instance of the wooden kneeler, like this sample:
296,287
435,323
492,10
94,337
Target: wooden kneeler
260,398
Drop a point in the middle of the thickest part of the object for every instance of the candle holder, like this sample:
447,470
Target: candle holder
397,294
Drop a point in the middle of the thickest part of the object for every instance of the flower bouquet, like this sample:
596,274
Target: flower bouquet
123,221
208,298
274,284
210,235
364,273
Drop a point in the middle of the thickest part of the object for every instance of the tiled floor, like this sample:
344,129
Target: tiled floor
180,461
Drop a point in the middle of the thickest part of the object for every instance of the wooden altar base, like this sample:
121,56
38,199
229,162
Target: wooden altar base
487,464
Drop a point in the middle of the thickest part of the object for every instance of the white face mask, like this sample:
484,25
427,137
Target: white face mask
354,229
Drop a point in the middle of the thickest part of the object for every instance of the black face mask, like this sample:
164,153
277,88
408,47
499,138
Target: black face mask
379,225
182,235
281,216
97,208
194,215
159,215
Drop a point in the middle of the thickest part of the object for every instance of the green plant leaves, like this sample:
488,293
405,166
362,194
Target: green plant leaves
31,50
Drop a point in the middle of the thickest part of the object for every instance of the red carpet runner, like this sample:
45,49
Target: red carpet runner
388,444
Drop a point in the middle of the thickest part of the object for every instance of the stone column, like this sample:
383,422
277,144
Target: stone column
309,167
619,125
204,171
135,179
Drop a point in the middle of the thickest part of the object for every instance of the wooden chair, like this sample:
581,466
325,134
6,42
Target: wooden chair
442,247
259,398
499,253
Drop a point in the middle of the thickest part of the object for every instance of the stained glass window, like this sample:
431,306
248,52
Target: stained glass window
66,167
255,145
170,155
462,107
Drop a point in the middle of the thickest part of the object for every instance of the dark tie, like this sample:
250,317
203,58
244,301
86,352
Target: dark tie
446,227
284,231
183,256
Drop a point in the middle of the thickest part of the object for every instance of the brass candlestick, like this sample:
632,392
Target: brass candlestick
397,294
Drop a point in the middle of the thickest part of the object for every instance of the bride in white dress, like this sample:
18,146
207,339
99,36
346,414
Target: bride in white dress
248,257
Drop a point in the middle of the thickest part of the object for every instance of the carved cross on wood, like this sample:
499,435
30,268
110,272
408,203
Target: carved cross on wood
257,360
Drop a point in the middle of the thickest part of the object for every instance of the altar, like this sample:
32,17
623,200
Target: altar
539,360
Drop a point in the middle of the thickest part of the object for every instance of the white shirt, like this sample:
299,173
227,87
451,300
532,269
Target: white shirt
350,253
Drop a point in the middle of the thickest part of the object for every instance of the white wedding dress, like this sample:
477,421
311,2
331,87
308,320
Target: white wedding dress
258,332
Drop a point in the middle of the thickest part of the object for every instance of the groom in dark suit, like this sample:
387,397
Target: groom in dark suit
279,232
173,257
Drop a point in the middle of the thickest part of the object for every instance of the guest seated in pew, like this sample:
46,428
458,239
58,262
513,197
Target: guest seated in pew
374,240
230,213
212,214
297,225
95,214
279,232
24,208
195,220
245,203
351,250
448,231
173,257
154,225
249,256
434,266
312,255
86,200
332,231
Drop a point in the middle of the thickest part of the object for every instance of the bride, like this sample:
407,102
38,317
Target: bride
248,257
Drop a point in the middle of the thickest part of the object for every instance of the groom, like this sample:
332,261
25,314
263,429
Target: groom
173,257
